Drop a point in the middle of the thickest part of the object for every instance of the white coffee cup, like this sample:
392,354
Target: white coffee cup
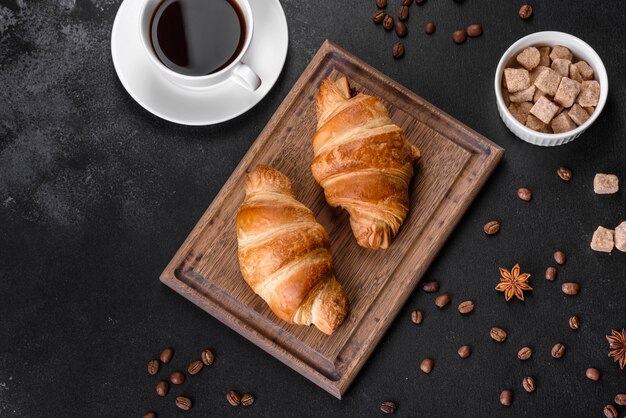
237,70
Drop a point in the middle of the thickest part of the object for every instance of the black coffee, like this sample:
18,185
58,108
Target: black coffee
197,37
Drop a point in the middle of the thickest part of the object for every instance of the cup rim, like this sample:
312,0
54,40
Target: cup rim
556,38
195,78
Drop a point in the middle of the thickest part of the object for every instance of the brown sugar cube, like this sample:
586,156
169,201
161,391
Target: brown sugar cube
567,92
589,93
544,56
506,97
536,125
562,123
605,183
544,110
560,51
561,66
548,81
535,73
603,240
574,74
585,70
620,237
520,111
517,79
523,96
578,114
529,58
589,109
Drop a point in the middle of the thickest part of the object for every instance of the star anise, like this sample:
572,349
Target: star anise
617,343
512,283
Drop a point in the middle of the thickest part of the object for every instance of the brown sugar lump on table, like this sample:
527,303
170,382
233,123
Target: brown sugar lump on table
605,183
603,240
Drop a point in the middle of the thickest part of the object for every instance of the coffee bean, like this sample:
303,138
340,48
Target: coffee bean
466,307
166,355
426,365
398,50
381,4
498,334
419,1
526,11
529,384
401,29
195,367
407,2
593,374
162,388
247,399
184,403
379,16
551,273
524,353
464,351
474,31
149,415
610,411
233,398
564,173
177,378
207,357
459,36
491,227
620,399
388,407
506,397
570,288
388,23
416,317
558,350
574,323
525,194
153,367
560,258
430,286
429,28
403,13
442,300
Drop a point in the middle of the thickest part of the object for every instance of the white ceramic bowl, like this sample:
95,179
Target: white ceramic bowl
581,51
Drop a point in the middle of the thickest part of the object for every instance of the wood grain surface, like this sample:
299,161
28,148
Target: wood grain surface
455,163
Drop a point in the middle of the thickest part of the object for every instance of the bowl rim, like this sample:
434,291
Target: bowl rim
556,38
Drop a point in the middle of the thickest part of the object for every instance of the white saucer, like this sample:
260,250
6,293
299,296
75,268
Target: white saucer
225,101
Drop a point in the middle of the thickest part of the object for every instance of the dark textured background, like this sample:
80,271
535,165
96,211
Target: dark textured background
96,195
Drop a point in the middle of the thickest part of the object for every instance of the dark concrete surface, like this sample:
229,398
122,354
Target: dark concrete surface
96,195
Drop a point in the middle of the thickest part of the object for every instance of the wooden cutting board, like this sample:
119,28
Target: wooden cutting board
455,163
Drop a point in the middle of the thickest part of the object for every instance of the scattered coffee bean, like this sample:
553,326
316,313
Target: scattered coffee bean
407,2
551,273
524,194
558,350
429,28
398,50
474,31
388,23
166,355
570,288
403,13
247,399
466,307
491,227
593,374
195,367
207,357
149,415
564,173
529,384
524,353
574,322
442,300
430,286
184,403
426,365
388,407
162,388
416,317
610,411
153,367
526,11
459,36
233,398
464,351
379,16
506,397
177,378
401,29
498,334
381,4
620,399
560,258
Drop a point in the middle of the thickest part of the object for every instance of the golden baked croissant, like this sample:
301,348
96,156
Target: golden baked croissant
363,161
284,254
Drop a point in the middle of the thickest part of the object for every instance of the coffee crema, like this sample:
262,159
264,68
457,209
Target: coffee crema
197,37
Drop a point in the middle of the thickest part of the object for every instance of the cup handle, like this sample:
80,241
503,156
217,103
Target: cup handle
246,76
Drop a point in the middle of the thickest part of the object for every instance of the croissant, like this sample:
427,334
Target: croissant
284,254
363,161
